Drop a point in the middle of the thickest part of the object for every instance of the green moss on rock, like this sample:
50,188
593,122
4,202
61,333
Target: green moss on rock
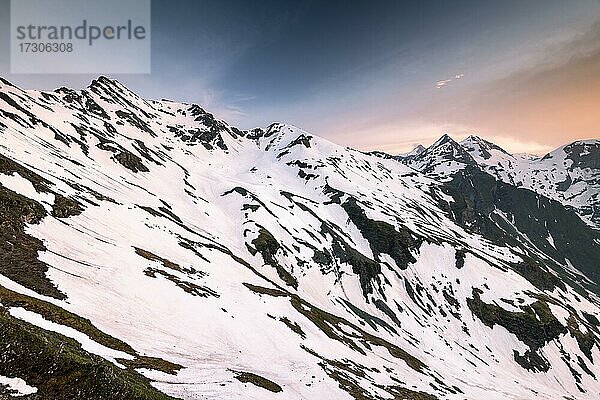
61,370
9,167
58,315
257,380
154,363
18,250
65,207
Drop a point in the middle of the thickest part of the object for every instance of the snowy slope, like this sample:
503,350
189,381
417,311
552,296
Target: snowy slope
182,254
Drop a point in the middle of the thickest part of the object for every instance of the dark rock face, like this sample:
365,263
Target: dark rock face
383,237
538,275
564,185
368,271
476,195
474,202
268,246
584,155
254,134
135,121
301,140
209,136
535,326
460,258
65,207
9,167
131,161
92,107
123,156
257,380
258,133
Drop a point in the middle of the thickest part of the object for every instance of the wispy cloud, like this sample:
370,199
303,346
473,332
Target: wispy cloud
241,98
444,82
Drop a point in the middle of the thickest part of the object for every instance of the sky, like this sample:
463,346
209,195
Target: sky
375,75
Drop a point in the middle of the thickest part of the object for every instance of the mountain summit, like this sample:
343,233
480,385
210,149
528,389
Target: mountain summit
149,250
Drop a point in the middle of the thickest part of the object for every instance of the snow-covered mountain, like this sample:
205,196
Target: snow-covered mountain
151,251
440,160
569,174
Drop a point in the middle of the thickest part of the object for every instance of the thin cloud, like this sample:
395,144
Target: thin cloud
444,82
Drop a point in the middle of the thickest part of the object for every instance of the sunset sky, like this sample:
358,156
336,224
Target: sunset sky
376,74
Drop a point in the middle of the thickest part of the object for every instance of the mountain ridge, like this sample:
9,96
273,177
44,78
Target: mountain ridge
173,254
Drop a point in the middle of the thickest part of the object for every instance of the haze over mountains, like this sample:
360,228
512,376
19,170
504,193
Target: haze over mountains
151,251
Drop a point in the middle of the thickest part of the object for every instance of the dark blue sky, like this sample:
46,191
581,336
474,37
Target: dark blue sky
362,73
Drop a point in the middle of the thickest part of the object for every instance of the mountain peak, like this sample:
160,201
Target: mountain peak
480,147
583,154
472,139
445,144
445,138
444,156
103,84
418,149
104,81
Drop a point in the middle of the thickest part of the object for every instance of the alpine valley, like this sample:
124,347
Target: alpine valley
151,251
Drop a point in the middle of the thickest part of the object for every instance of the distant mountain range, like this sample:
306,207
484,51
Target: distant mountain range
149,250
569,174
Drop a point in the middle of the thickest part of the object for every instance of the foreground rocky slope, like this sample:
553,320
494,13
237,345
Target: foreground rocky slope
149,250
